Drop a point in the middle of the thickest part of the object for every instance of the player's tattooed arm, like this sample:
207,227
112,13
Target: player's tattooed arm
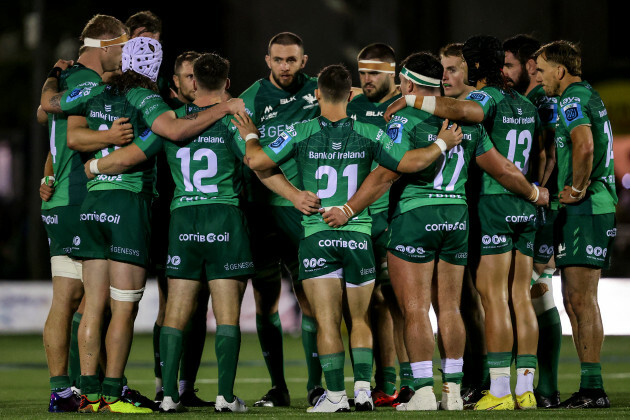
508,175
42,117
51,97
305,201
178,129
82,139
117,162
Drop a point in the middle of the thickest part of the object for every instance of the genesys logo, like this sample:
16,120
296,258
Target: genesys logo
204,237
494,239
340,243
314,262
596,251
408,249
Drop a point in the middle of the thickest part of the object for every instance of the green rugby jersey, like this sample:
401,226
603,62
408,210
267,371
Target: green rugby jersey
101,105
206,169
362,109
68,167
548,113
512,123
333,159
442,182
273,110
581,105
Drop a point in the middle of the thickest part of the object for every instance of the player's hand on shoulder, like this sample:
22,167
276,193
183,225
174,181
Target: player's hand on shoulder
244,124
543,197
234,106
307,202
64,64
334,216
46,190
452,136
121,132
88,173
394,107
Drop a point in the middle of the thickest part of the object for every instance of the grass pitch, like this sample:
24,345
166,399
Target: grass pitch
24,387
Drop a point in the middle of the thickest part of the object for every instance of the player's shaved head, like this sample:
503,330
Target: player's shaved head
377,51
286,38
211,71
334,83
564,53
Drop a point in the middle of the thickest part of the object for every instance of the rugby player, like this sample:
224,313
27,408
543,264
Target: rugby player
520,70
278,101
116,255
507,221
377,70
335,154
60,208
585,227
183,76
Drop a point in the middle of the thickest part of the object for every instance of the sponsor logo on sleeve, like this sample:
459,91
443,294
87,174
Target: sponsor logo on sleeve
394,131
74,95
279,143
479,96
572,112
145,134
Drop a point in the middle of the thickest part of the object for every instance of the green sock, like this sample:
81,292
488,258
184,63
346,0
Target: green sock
192,348
309,342
526,361
90,387
112,389
269,330
406,375
453,377
74,364
362,364
171,341
156,351
227,347
591,376
499,359
332,366
389,380
549,343
485,376
59,383
422,382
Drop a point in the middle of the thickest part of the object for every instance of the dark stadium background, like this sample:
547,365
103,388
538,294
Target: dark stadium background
34,33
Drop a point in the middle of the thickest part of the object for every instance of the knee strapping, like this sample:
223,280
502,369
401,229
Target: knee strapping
64,266
542,294
126,295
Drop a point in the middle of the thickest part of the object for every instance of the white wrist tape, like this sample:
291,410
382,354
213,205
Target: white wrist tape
576,190
48,178
251,136
534,196
94,167
411,100
428,104
441,144
126,295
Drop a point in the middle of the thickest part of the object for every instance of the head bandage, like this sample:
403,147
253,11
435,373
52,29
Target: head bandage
142,55
419,79
378,66
100,43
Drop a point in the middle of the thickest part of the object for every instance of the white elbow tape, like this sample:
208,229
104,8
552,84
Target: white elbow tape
411,100
94,167
48,178
251,136
126,295
64,266
441,144
428,104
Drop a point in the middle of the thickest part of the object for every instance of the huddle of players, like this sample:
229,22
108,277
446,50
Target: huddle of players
312,153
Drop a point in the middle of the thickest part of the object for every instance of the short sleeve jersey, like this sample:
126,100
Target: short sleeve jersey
442,182
273,110
362,109
102,106
512,124
581,105
206,169
333,159
68,167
